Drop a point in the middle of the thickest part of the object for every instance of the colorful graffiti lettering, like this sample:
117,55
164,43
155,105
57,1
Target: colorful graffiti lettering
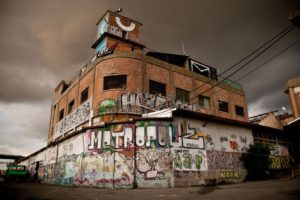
229,175
121,136
189,159
279,162
191,137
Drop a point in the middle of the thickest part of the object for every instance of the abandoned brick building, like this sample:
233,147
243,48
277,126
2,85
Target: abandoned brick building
132,118
125,81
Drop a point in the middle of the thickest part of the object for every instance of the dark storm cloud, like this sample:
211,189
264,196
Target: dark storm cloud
43,42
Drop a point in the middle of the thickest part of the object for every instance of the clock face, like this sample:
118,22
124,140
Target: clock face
129,28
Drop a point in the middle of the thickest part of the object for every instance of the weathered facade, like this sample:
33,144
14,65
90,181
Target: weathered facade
123,82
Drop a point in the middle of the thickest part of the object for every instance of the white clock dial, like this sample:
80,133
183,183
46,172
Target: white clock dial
129,28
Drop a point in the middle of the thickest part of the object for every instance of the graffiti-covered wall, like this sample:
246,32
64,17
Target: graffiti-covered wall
75,118
279,158
147,154
207,151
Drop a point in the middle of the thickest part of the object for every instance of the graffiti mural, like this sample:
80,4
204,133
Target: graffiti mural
154,168
190,159
279,150
148,134
190,136
75,118
50,155
209,143
137,103
154,134
279,162
49,174
106,170
226,142
219,160
230,175
107,106
115,136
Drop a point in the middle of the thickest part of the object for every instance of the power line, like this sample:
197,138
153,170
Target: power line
284,32
276,55
259,48
263,64
244,65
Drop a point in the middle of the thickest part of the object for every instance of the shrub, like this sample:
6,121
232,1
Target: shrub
256,161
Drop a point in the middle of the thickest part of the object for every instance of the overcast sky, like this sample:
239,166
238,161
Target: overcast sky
45,41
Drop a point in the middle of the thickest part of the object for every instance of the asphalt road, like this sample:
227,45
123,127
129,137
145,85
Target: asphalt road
274,190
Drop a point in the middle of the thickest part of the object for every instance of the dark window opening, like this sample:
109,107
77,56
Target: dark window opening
223,106
124,33
204,102
61,114
157,88
65,86
114,82
182,95
71,107
84,95
239,110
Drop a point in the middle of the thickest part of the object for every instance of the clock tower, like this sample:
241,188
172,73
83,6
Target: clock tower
115,31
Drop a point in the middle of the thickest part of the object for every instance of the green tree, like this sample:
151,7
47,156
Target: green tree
257,162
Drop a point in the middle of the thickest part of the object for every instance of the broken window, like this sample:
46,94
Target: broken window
239,110
182,95
84,95
157,88
223,106
114,82
204,102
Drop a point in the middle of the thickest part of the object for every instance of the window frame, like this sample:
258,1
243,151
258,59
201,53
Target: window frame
227,106
61,114
157,84
183,91
72,108
236,110
113,86
204,97
82,95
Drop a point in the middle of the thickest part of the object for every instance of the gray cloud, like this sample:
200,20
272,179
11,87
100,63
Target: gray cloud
43,42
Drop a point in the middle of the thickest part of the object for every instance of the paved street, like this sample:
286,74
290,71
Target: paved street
274,189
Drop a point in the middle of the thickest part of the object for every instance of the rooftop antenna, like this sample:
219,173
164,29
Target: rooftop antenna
183,49
119,10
